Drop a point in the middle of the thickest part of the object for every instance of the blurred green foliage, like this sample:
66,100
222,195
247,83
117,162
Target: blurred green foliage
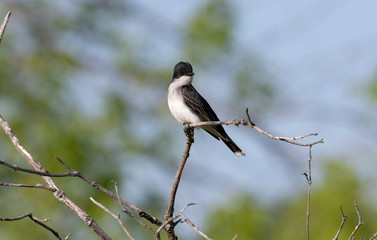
46,50
373,90
286,220
209,32
37,76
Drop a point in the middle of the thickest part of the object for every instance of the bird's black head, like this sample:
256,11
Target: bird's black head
182,69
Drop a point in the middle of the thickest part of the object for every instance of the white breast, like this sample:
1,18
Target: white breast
177,106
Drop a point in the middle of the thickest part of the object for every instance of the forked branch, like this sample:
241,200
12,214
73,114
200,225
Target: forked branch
359,223
36,220
344,218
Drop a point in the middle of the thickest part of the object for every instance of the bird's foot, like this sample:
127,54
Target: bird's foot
189,132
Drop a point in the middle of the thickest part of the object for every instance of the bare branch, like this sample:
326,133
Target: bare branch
36,220
94,184
170,209
250,124
57,193
130,214
308,176
117,217
75,173
3,25
360,222
184,219
168,221
27,186
344,218
188,205
16,168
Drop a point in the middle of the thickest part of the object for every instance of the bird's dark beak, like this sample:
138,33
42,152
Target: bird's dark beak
190,74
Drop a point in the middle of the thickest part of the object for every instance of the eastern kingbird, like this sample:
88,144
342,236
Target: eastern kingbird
188,106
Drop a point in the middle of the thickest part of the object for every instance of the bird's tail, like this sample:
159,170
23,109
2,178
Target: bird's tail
233,146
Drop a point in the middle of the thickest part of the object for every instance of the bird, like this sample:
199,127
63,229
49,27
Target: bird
188,106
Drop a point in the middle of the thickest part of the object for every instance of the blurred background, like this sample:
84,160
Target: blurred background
87,81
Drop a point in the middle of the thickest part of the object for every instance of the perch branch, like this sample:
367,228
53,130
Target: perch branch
170,209
189,140
250,124
36,220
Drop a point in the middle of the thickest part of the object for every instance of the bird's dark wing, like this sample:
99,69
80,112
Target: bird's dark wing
201,107
198,104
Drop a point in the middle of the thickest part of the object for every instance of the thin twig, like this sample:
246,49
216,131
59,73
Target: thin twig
94,184
128,212
360,222
3,25
344,218
65,165
36,220
169,220
28,186
188,205
117,217
47,174
308,177
249,123
185,219
170,209
374,237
